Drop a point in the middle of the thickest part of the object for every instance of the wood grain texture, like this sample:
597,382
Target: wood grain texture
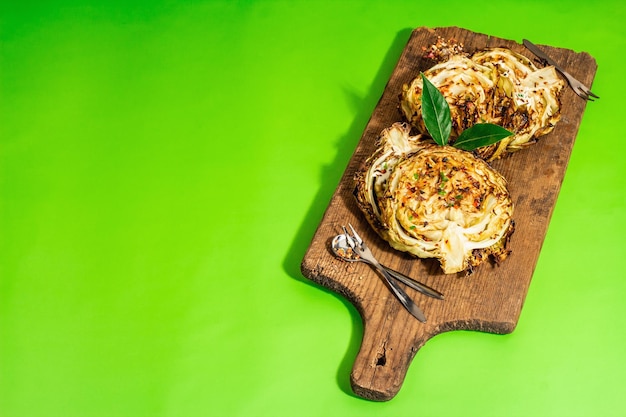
491,299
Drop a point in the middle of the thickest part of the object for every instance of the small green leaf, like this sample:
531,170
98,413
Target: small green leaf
479,135
435,112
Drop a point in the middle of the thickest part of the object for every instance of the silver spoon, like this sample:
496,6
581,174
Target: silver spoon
342,250
360,248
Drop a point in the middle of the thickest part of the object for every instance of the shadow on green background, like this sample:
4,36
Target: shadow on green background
330,176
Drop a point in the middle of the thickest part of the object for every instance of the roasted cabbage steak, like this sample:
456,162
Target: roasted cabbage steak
493,85
435,201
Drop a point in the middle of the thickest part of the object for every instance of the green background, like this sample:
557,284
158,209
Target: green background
164,165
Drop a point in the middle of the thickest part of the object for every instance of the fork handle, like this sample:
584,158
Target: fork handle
416,285
402,296
540,54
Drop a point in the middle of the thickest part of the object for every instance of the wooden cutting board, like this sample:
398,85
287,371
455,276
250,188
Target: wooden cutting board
489,300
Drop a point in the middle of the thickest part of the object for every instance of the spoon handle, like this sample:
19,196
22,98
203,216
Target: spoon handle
424,289
402,296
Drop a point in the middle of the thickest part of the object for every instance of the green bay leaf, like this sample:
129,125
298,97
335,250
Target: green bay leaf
435,112
479,135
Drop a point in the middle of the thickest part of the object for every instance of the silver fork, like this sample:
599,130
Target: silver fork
358,245
579,88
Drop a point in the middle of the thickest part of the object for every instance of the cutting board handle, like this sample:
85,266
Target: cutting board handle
385,355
